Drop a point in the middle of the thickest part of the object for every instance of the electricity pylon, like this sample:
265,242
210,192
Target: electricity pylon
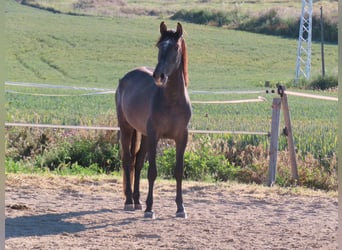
303,65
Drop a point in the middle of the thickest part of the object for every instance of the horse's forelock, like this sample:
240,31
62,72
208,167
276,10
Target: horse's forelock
168,35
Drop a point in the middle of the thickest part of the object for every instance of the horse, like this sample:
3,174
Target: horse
151,104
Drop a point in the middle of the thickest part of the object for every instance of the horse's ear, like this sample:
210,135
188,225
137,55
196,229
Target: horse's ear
163,27
179,30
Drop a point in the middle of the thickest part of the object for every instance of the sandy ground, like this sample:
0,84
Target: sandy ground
73,213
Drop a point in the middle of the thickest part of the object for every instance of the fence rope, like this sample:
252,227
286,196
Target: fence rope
7,124
52,86
102,91
259,99
99,91
192,131
62,95
227,92
328,98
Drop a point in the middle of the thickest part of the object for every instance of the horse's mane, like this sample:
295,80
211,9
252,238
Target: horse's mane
170,34
185,63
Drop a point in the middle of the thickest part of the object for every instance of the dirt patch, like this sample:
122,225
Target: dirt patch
97,4
115,8
86,213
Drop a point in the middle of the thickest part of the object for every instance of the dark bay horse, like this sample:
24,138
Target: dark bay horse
152,104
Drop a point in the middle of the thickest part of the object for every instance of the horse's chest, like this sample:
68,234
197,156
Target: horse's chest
171,119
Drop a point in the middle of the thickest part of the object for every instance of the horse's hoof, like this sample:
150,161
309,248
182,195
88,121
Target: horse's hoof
129,207
149,215
137,206
182,215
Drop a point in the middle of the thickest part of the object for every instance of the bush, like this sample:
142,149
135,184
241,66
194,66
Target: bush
323,83
242,158
330,29
20,167
195,167
216,18
166,163
206,162
75,169
265,23
225,172
54,148
53,157
83,152
269,23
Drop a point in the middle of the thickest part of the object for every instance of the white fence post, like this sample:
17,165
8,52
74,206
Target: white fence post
273,152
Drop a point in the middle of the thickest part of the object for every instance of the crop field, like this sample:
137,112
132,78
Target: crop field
95,51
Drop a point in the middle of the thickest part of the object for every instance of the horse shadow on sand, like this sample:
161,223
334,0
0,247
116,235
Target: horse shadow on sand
53,224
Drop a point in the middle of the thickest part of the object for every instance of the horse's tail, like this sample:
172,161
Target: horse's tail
135,147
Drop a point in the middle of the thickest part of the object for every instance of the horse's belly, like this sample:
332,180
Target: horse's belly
136,114
138,124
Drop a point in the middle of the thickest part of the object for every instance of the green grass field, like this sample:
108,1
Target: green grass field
165,7
97,51
93,51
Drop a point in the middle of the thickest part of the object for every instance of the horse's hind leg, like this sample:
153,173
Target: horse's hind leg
126,137
139,163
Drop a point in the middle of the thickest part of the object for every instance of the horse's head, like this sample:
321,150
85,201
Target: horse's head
171,53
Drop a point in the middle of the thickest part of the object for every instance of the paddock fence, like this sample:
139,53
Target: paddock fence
105,91
278,103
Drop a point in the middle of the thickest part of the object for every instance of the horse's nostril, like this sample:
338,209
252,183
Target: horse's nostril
162,76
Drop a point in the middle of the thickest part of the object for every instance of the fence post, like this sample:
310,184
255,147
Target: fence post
288,133
273,152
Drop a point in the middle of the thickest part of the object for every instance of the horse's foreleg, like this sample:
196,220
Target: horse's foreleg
140,159
152,175
180,148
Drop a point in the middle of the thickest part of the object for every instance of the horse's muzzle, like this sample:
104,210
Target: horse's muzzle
160,79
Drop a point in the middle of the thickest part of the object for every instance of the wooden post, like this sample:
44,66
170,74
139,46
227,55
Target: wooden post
274,141
322,42
288,133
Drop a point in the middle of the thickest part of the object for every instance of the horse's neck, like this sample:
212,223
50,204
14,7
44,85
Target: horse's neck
176,91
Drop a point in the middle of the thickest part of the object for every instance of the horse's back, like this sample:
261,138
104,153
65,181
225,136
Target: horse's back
134,95
137,76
